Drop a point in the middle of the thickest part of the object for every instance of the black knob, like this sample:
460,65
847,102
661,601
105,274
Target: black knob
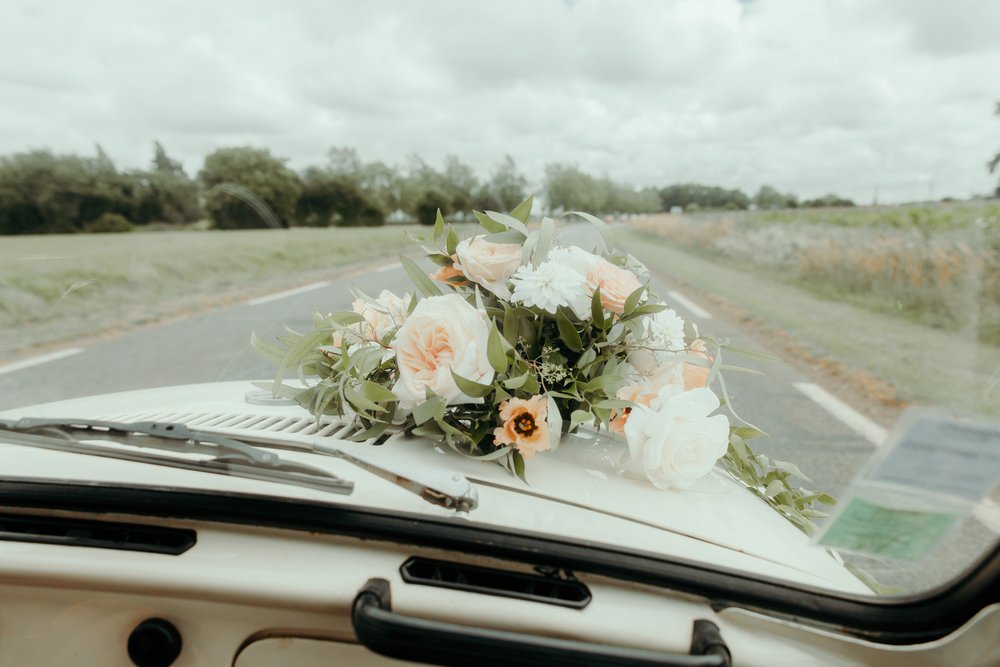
154,643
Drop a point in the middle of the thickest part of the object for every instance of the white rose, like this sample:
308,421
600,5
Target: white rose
382,318
489,264
674,441
441,335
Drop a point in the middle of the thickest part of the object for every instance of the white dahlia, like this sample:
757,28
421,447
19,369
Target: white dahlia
550,285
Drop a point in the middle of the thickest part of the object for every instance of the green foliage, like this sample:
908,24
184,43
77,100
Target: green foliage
258,172
685,195
505,188
769,198
329,198
771,480
429,204
568,188
108,223
41,192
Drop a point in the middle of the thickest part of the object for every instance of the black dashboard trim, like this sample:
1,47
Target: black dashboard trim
902,620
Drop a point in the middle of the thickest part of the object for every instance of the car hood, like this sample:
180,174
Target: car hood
573,492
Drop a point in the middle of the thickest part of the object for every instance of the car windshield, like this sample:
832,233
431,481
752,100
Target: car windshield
726,271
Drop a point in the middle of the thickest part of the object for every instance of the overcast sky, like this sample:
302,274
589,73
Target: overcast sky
808,96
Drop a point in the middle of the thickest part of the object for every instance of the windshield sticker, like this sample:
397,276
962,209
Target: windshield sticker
869,528
958,458
931,473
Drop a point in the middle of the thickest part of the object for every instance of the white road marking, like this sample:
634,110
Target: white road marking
857,422
387,267
41,359
287,293
690,306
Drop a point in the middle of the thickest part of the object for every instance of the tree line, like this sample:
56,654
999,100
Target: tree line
246,187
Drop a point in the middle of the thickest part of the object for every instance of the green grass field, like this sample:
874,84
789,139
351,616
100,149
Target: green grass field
61,287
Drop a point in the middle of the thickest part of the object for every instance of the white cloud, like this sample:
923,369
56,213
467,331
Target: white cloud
809,96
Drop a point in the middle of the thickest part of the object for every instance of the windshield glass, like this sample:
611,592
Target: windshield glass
783,287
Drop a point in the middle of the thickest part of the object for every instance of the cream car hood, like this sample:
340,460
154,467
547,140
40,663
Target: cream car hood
571,493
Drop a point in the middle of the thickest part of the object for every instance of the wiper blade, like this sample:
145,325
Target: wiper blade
230,456
226,456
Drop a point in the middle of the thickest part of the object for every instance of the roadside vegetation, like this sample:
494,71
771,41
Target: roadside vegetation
245,187
62,287
937,265
919,309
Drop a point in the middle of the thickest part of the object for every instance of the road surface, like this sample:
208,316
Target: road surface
827,439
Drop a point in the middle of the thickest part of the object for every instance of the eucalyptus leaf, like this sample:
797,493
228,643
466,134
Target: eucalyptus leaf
567,332
607,237
489,225
471,388
523,210
420,279
438,226
508,221
494,350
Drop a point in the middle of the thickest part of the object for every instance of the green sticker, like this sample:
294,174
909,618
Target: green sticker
881,531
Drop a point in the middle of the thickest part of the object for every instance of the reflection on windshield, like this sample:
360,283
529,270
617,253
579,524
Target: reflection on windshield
813,183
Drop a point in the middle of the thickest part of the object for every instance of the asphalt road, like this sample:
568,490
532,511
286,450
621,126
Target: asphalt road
826,439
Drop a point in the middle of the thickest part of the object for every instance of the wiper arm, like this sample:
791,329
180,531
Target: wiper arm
226,455
229,456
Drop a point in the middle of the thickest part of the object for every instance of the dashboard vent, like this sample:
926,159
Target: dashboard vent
489,581
95,534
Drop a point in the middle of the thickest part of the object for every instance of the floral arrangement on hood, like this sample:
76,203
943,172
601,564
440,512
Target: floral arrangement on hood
515,340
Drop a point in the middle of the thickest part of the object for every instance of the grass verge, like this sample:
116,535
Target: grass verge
61,287
925,365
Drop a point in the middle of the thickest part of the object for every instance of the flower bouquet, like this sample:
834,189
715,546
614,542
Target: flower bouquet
516,340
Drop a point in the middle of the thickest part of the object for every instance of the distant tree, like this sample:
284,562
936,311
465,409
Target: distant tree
166,192
506,188
769,197
429,204
995,162
257,171
163,163
705,196
827,201
44,193
459,182
330,198
568,188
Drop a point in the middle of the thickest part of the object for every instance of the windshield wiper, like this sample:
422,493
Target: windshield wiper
226,456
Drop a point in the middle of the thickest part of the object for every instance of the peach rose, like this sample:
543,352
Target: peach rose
489,264
441,335
525,425
639,393
445,272
616,284
696,377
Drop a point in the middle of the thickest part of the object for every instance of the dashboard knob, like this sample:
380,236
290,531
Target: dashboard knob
154,643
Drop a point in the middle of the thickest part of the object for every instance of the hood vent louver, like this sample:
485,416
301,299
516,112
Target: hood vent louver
489,581
234,423
95,534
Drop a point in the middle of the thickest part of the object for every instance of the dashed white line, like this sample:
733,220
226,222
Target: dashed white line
856,421
41,359
689,305
287,293
387,267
